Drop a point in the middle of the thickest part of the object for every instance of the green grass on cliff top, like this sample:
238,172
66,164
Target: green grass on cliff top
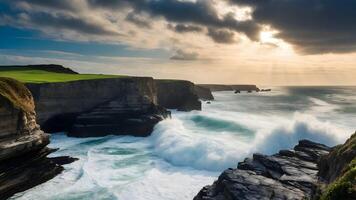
27,75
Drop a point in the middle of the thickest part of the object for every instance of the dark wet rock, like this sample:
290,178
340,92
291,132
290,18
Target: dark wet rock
290,174
116,119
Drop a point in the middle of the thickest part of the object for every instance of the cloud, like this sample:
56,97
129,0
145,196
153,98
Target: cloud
138,20
68,22
184,55
184,28
200,12
312,26
221,35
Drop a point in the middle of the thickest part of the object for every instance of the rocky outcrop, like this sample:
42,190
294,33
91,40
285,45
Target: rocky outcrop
338,172
333,165
204,93
218,87
177,94
99,107
23,151
290,174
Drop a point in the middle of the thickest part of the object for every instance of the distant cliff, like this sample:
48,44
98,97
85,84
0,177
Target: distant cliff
204,93
23,151
220,87
177,94
45,67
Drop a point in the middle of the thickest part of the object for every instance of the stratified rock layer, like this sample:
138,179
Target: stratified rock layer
125,106
290,174
23,151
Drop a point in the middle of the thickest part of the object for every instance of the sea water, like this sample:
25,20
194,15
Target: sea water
191,149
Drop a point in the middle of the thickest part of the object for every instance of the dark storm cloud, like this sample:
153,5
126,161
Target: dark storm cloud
221,36
137,20
312,26
60,21
201,12
184,28
184,55
55,4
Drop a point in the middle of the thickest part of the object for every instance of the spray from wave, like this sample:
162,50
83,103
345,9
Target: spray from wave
180,146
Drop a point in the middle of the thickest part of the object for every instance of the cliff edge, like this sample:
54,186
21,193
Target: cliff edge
23,151
177,94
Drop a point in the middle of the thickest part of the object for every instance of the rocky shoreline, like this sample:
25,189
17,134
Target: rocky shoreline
301,173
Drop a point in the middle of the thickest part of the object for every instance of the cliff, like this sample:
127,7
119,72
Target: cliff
220,87
290,174
23,151
98,107
338,172
177,94
203,93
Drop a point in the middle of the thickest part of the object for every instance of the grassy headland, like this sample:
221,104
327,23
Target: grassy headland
29,75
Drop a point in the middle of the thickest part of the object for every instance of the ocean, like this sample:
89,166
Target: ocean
191,149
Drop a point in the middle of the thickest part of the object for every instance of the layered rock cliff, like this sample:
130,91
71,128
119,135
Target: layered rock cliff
309,171
290,174
23,151
98,107
177,94
338,172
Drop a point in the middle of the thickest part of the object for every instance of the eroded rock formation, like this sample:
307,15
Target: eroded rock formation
23,151
290,174
100,107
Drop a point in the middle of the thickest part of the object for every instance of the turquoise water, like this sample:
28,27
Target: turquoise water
190,150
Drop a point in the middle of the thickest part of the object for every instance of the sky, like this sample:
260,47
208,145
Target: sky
264,42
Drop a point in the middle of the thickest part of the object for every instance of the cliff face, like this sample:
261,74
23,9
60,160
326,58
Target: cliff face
204,93
290,174
98,107
23,151
177,94
338,171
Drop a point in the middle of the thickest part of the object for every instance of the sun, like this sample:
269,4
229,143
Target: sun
267,37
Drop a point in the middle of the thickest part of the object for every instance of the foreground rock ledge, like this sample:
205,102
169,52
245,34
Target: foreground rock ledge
290,174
